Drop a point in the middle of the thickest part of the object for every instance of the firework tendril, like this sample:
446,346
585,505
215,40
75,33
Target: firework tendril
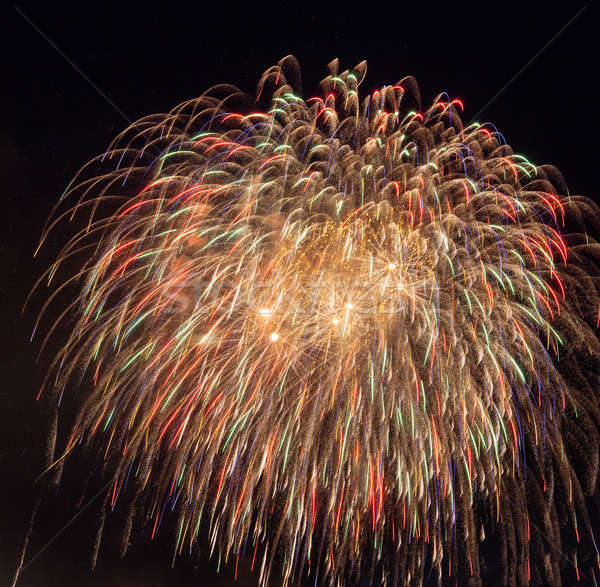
329,334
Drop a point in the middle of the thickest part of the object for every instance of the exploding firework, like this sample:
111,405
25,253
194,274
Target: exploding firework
326,333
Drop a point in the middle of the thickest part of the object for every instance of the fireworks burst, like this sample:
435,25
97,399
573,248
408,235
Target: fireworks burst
330,329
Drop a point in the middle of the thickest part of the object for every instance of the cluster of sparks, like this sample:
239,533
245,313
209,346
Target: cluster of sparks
329,332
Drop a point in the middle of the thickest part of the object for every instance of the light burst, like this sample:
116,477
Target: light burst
327,333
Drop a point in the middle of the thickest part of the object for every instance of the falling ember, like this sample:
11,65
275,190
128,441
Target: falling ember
440,404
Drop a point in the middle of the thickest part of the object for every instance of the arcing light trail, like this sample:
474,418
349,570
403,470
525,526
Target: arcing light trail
331,330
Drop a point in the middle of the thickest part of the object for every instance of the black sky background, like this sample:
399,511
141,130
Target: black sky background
148,58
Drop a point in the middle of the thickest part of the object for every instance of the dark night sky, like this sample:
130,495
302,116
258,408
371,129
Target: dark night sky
149,59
